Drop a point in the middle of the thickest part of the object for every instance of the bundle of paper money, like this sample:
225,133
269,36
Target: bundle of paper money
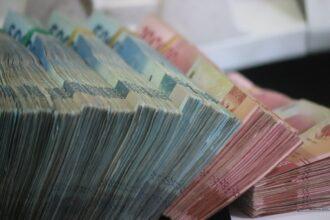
300,181
166,181
102,123
262,141
83,135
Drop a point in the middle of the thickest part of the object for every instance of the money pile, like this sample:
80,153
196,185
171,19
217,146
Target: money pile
261,142
175,176
85,136
98,124
166,181
301,181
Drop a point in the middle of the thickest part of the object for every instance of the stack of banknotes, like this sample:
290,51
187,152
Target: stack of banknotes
85,136
98,122
301,181
253,151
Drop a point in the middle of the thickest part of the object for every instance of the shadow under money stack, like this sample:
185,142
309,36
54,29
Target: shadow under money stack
261,142
85,136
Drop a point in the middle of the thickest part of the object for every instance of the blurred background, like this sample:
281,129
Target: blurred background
278,44
235,34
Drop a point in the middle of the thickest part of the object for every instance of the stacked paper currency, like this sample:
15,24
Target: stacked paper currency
96,124
271,194
166,181
262,141
301,181
83,135
185,163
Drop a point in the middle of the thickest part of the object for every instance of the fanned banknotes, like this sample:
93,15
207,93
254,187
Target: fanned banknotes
98,122
300,181
202,115
262,141
101,139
